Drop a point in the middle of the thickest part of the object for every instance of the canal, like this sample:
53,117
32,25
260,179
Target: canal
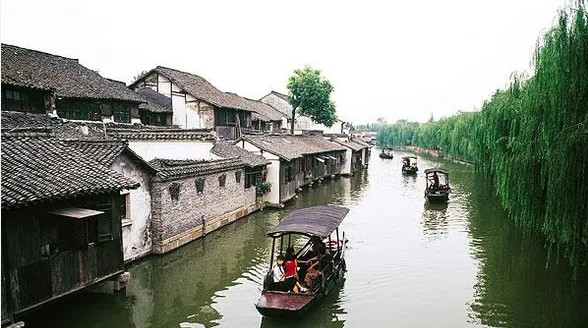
410,265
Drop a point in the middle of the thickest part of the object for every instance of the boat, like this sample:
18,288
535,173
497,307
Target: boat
409,165
318,223
437,188
386,153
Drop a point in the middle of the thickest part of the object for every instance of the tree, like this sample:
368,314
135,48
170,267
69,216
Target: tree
310,94
140,75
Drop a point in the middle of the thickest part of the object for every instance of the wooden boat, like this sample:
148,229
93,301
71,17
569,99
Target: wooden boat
437,188
386,153
319,223
409,165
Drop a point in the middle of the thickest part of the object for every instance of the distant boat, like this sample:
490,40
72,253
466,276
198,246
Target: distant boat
409,165
321,225
386,153
437,188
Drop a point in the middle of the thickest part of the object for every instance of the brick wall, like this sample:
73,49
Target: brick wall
177,222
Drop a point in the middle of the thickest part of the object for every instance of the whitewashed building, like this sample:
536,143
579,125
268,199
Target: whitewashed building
280,102
196,103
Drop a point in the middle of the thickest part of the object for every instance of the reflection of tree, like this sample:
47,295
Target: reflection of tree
514,286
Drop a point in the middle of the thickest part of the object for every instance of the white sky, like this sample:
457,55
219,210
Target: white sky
395,59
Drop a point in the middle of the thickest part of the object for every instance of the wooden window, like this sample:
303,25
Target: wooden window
251,179
22,101
222,180
288,173
199,185
238,176
174,191
122,113
79,109
124,208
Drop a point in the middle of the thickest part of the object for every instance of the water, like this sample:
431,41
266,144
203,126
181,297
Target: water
410,265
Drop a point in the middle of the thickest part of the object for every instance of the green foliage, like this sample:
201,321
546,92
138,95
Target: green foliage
310,94
530,139
263,188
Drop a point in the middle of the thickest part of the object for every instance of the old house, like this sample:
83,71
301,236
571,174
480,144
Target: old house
280,102
296,161
38,82
150,142
61,227
157,108
191,198
357,154
196,103
135,207
255,165
264,117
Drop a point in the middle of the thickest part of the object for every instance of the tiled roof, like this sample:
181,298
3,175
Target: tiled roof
103,151
106,151
350,144
178,169
37,170
260,111
155,101
64,129
280,102
361,142
228,150
199,88
65,76
289,147
153,133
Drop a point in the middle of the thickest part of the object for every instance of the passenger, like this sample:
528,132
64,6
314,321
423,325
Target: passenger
291,263
282,283
435,185
318,263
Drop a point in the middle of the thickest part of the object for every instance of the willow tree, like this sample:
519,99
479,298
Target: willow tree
309,93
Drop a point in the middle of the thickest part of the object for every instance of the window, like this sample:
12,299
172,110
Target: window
174,191
199,185
251,179
238,176
22,101
79,109
122,113
222,180
124,208
288,173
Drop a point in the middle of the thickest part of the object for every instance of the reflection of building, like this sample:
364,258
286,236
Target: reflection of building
61,226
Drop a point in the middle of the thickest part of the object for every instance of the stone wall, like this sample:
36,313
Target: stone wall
177,222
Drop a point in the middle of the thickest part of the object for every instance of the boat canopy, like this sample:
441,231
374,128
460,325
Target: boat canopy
437,169
409,157
317,221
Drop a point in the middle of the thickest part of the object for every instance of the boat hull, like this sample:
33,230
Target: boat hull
386,156
410,170
437,196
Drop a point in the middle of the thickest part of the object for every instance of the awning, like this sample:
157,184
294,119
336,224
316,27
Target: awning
320,159
75,212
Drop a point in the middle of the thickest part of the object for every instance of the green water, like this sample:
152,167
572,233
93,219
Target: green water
410,265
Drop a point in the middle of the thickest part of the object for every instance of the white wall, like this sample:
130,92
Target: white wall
347,167
179,111
273,171
136,232
169,149
163,85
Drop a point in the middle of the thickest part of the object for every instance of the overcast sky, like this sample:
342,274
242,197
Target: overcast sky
405,59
